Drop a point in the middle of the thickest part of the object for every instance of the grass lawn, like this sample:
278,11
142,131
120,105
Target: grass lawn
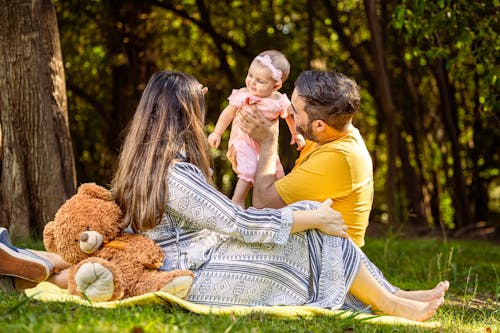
472,267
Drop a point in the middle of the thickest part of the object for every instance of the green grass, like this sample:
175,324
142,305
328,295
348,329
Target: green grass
472,267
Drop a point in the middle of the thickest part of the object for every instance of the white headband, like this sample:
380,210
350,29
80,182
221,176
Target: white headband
266,61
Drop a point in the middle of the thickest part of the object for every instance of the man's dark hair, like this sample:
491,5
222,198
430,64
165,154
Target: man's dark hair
328,96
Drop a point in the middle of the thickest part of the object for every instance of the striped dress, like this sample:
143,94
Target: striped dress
248,257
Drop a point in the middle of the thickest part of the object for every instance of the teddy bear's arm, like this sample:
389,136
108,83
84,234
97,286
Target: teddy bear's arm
146,251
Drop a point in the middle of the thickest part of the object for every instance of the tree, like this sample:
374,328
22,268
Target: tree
37,173
427,70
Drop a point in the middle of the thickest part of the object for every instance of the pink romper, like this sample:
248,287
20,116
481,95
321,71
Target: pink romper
243,151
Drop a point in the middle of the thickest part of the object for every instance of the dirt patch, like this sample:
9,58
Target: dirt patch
483,230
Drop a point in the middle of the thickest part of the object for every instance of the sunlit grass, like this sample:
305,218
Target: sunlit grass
472,268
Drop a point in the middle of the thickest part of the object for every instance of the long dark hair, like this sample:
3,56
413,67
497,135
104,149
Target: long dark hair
168,123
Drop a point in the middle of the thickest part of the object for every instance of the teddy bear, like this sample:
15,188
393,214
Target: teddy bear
107,264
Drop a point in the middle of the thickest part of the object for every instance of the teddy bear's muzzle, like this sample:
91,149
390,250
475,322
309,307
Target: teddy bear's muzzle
90,241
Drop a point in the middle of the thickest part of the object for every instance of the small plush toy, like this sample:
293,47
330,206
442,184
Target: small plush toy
106,264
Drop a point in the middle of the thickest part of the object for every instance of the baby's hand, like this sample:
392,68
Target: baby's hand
299,140
214,139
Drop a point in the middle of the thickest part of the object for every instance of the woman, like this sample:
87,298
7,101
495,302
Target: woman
282,256
290,256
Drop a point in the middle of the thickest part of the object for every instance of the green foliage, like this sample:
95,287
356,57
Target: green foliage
461,35
110,48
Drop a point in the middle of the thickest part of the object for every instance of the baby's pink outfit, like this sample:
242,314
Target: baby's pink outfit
243,151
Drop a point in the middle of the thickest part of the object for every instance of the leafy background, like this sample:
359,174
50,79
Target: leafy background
429,94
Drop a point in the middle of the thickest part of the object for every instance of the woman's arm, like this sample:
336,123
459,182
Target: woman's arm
199,206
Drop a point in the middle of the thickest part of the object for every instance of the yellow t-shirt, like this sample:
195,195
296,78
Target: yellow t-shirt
341,170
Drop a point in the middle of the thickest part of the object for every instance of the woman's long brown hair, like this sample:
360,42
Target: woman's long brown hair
169,120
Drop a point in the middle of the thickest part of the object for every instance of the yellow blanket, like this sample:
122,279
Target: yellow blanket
48,292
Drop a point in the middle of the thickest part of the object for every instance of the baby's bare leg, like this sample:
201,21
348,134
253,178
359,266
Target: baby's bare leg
240,192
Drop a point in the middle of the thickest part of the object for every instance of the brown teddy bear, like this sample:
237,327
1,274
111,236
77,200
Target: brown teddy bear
106,264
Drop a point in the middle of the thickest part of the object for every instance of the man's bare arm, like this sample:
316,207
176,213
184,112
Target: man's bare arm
265,132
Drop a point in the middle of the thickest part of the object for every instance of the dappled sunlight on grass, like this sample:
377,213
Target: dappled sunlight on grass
471,304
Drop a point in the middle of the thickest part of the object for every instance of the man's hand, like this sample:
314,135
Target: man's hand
331,222
324,219
264,132
257,126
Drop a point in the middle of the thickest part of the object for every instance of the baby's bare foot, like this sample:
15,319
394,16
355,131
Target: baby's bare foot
425,295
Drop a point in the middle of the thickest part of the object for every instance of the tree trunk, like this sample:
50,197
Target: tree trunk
413,185
479,186
449,115
310,33
387,104
38,172
128,42
414,176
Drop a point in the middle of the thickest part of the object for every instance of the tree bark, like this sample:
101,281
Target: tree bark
310,32
413,167
124,39
38,172
449,113
387,104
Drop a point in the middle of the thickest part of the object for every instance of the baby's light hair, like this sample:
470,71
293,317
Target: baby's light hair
279,61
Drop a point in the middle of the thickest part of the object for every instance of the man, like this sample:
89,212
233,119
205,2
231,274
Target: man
335,162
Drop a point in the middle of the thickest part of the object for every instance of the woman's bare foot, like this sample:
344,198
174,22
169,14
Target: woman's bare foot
425,295
413,310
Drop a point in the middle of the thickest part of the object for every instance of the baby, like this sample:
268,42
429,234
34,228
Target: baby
265,76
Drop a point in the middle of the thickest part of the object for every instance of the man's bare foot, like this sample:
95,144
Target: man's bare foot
425,295
413,310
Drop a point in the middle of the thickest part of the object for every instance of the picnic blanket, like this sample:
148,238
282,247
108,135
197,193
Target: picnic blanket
48,292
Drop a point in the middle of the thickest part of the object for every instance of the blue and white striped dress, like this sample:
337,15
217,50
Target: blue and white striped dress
248,257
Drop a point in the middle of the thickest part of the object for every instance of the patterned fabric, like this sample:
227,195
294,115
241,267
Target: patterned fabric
248,257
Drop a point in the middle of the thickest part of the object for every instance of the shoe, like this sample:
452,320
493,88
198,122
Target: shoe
7,284
5,237
23,264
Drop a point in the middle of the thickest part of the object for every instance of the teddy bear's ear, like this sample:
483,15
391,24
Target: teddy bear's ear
48,237
95,191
